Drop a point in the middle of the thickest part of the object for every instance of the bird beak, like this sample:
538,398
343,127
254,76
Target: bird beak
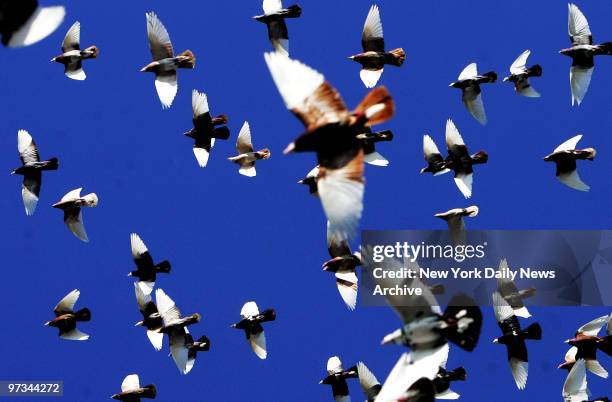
289,148
451,84
352,57
495,340
233,326
129,274
506,79
567,341
47,323
142,70
321,382
138,324
13,172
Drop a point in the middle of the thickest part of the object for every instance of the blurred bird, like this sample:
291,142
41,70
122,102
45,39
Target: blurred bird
368,140
456,226
311,181
508,290
71,204
151,319
373,58
582,53
442,381
72,56
246,155
520,74
336,378
368,382
565,157
131,391
24,22
31,169
514,338
436,164
274,18
146,270
205,130
66,318
469,82
585,344
165,64
331,131
343,264
250,323
460,161
184,349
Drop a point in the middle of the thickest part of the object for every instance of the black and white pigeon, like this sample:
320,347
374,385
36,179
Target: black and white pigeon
343,264
31,169
511,293
151,319
374,57
165,64
24,22
131,391
336,378
72,56
369,383
206,128
274,17
436,164
443,380
368,141
565,157
66,318
456,225
250,323
71,204
469,82
582,53
146,269
460,161
514,338
247,156
311,181
520,74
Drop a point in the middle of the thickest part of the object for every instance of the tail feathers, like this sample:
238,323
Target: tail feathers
606,48
605,345
491,76
186,59
528,292
51,164
396,57
534,331
83,314
163,266
267,315
149,391
458,374
221,133
480,157
293,11
534,71
377,106
385,135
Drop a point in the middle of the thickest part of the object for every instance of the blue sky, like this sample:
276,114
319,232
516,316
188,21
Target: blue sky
232,239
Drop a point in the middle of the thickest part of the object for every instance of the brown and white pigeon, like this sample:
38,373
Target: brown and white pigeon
586,342
520,74
66,318
131,391
71,204
72,56
247,157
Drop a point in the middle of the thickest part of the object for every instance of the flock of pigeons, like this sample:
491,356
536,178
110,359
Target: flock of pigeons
343,141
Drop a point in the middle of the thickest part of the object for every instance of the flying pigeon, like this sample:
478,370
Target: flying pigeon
71,204
151,319
250,323
131,391
311,181
274,18
520,74
469,82
246,155
72,56
343,264
508,290
66,318
582,53
565,157
184,349
373,58
436,164
31,170
205,130
368,141
455,222
24,22
586,342
368,382
331,131
336,378
460,161
146,270
514,338
165,64
442,381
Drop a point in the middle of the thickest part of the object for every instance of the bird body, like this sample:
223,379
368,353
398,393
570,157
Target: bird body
520,74
247,157
274,17
336,379
72,56
251,323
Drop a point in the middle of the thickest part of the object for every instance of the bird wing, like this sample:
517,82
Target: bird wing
370,77
138,246
505,286
580,79
142,298
472,99
72,195
469,72
367,379
130,383
271,6
501,308
518,67
73,38
575,386
258,344
28,152
569,145
519,370
202,154
66,305
156,339
578,26
249,309
166,307
178,350
347,287
305,91
30,190
159,40
166,85
74,335
244,143
337,247
74,220
464,183
593,327
372,36
199,103
452,135
429,146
